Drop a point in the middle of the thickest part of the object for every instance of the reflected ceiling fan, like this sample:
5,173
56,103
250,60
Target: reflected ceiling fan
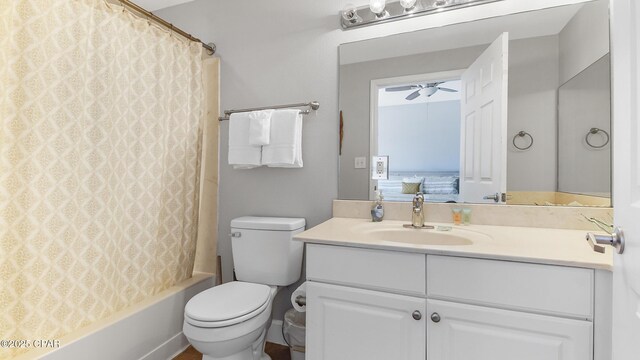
428,89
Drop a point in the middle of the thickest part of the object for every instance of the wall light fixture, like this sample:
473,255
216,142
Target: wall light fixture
379,11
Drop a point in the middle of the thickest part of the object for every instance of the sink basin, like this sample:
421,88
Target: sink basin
398,234
418,236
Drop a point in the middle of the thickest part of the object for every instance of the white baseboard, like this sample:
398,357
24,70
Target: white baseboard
169,349
274,335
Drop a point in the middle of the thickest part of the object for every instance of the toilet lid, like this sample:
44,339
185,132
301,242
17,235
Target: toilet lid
228,301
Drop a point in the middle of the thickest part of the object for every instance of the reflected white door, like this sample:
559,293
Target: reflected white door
483,151
625,30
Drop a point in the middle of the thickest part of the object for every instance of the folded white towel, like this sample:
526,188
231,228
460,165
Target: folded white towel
260,127
285,142
242,154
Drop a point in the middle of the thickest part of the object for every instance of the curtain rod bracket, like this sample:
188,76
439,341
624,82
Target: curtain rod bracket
211,48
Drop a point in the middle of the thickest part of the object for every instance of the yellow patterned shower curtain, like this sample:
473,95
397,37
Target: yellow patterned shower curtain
100,137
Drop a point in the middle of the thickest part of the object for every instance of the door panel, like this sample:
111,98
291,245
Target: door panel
483,156
625,29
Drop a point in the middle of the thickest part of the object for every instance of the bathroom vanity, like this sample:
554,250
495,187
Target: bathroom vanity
382,291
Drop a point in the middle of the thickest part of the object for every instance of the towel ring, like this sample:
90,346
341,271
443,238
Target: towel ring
522,134
594,131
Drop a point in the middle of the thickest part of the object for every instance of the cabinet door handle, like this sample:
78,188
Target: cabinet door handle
435,317
417,315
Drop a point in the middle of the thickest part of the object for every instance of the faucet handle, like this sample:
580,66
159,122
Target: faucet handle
418,200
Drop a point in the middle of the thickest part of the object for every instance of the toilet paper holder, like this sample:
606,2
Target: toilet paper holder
301,300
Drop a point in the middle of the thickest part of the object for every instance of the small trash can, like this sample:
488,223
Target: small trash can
294,331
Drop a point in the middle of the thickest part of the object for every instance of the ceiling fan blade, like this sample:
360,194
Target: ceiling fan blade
447,89
413,95
401,88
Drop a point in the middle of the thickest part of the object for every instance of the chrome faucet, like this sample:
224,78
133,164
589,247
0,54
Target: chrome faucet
417,214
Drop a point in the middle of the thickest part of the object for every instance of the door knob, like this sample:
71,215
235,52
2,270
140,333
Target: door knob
416,315
615,239
495,197
435,317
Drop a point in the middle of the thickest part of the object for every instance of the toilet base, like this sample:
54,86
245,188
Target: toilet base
254,352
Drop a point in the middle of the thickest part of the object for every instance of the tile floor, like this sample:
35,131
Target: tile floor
277,352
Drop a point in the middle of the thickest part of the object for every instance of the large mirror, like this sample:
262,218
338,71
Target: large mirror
512,109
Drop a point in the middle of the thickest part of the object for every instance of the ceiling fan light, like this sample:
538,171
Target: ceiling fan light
430,91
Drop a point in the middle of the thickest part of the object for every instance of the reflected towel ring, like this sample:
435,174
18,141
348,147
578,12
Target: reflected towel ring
593,131
522,134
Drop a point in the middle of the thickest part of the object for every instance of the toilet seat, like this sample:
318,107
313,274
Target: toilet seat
227,304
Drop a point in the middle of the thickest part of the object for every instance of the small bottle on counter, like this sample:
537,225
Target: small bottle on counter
457,216
466,216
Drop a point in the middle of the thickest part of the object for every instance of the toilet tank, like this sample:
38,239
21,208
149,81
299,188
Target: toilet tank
264,251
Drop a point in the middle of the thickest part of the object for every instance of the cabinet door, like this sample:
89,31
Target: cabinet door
346,323
466,332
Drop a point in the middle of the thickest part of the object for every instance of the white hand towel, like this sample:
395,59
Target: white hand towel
260,127
242,154
285,142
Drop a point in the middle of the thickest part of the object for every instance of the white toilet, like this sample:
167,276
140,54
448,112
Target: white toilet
230,321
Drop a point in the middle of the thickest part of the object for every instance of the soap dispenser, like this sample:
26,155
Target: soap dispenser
377,212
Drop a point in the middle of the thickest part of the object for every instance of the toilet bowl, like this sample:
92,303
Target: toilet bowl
230,321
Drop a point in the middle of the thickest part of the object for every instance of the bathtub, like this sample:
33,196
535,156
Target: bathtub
150,330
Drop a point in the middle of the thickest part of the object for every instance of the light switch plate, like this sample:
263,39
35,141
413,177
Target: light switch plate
380,167
360,162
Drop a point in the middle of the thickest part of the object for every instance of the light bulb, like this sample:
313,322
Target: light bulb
350,13
377,7
407,4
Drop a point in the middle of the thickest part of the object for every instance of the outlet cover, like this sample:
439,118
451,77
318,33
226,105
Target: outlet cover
380,167
360,162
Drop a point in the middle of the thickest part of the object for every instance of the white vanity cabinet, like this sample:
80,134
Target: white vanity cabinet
381,304
365,304
465,331
485,309
351,323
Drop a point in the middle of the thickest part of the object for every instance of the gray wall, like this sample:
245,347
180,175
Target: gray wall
270,56
533,89
584,40
420,136
279,52
585,103
286,51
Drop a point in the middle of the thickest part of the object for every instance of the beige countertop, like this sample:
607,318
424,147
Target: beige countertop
535,245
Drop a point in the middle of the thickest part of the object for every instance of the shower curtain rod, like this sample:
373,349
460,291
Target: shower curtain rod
313,105
211,47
